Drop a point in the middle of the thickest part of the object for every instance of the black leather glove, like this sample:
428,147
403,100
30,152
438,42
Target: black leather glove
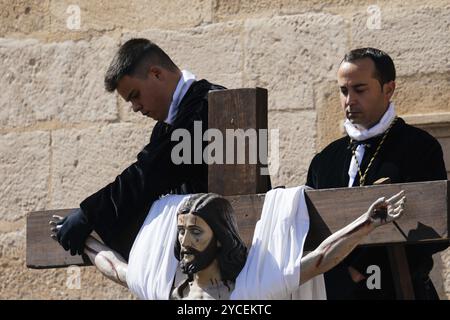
74,231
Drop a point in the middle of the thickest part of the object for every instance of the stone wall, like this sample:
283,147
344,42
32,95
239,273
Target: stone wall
63,137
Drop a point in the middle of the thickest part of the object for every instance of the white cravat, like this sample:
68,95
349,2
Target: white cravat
185,82
361,135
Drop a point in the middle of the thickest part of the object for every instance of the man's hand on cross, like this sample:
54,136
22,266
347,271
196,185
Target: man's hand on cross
55,224
71,232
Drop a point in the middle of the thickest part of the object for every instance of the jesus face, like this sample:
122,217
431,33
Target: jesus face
197,241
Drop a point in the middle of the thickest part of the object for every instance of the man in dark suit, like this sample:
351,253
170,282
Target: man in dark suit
143,74
378,145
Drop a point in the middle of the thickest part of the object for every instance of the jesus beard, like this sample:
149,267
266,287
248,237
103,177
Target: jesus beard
201,260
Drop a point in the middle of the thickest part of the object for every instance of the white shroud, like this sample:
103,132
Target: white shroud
152,263
272,269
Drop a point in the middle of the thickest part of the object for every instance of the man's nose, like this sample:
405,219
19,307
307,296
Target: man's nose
350,99
135,106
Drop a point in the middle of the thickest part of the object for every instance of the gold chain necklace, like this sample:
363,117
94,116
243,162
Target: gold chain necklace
362,177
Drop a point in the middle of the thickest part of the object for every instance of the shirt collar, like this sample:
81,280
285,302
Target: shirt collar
185,82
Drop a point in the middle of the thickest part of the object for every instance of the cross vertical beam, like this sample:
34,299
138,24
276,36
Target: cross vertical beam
239,114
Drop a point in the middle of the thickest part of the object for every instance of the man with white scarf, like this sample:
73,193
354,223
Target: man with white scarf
379,146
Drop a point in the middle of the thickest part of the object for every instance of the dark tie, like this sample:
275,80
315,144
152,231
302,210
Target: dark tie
368,143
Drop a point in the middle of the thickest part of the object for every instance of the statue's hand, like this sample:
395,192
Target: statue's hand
55,224
384,211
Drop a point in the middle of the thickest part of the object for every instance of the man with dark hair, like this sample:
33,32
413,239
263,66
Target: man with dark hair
135,57
379,146
384,70
143,74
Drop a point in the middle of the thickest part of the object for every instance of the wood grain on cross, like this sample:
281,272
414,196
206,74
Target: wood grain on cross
426,219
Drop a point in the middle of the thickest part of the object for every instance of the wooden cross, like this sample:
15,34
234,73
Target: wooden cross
426,218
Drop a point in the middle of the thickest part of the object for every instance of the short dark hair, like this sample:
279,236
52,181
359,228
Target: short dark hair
219,215
384,66
133,58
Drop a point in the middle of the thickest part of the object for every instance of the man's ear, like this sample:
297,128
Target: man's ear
155,71
389,89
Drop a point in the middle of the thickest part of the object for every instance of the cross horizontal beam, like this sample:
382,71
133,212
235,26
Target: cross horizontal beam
426,219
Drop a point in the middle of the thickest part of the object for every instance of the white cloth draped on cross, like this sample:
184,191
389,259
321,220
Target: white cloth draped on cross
272,269
152,263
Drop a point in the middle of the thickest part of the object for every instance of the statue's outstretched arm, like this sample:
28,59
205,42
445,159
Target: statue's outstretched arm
109,262
337,246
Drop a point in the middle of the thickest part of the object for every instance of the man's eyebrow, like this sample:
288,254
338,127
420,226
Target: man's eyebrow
129,96
356,86
359,85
